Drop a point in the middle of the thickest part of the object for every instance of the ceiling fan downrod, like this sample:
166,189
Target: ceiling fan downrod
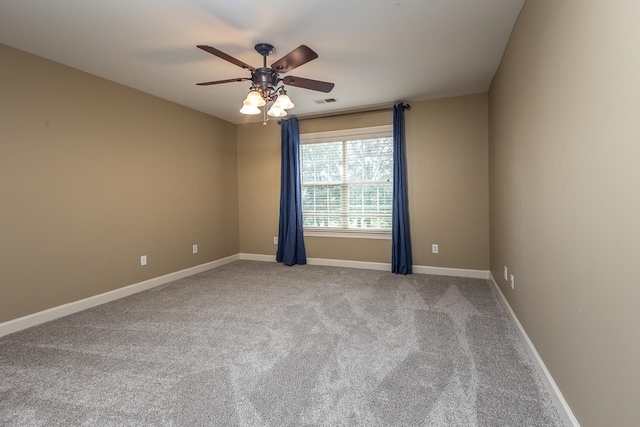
264,49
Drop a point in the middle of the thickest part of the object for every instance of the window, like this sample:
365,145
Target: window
347,182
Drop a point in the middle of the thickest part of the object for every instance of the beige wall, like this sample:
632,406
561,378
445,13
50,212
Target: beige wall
447,170
448,181
93,175
565,199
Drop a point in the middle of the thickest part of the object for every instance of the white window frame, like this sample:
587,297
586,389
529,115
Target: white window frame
344,135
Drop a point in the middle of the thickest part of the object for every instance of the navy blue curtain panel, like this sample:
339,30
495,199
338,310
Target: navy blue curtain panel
290,240
401,260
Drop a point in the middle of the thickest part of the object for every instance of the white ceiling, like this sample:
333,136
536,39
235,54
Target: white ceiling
375,51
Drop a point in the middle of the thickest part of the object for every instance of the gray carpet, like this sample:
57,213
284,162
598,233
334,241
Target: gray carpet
260,344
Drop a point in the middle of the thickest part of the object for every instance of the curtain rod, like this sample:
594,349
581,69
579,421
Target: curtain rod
350,113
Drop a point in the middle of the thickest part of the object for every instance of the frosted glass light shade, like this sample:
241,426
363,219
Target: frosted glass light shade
284,102
249,109
254,98
276,111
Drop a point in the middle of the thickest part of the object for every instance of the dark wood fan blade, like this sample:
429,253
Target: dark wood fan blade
217,82
221,54
294,59
308,84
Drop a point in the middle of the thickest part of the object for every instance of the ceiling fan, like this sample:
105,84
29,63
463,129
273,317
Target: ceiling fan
267,85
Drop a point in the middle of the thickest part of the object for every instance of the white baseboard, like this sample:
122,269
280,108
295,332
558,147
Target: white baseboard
34,319
457,272
554,392
257,257
381,266
324,261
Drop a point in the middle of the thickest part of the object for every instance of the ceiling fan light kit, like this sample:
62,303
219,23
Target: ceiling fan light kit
267,86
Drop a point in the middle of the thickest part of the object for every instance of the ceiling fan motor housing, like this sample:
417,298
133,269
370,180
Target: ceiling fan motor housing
265,80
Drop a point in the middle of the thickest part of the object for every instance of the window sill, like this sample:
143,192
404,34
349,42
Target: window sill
350,234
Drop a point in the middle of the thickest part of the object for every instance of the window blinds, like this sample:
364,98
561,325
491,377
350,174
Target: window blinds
347,179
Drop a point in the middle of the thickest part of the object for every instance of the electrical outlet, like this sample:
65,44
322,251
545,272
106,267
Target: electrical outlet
143,260
506,273
195,249
513,282
434,248
275,240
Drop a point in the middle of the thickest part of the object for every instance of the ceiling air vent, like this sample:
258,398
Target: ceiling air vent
325,101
